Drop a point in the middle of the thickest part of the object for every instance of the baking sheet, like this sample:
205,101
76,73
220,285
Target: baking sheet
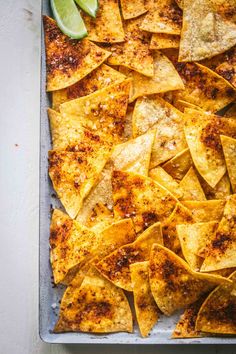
49,295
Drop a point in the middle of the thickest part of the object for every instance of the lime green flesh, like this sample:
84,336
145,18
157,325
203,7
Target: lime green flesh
68,18
89,6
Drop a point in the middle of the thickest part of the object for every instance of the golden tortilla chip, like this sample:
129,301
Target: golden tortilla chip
97,306
220,191
154,112
132,8
140,198
115,267
191,187
181,105
98,79
99,219
227,68
202,132
229,149
204,211
179,165
146,310
173,284
222,248
107,26
164,40
218,312
208,29
164,179
68,60
164,16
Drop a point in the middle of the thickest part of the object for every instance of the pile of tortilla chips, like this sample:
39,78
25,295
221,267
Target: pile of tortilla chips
145,167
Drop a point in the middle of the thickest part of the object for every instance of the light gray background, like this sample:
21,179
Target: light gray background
19,165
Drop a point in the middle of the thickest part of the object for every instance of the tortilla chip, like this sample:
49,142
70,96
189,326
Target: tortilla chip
132,8
220,191
140,198
98,79
146,310
179,165
115,267
191,186
164,16
164,40
180,3
202,132
68,60
229,149
154,112
173,284
103,111
107,26
231,112
97,306
222,248
164,179
205,211
181,105
208,29
218,312
73,174
99,219
227,68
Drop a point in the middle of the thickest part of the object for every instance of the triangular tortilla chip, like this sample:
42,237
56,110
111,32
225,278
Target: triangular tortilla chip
205,211
229,149
227,68
191,186
68,61
164,40
202,132
73,174
164,16
220,191
107,26
173,284
103,111
181,105
98,79
146,310
100,218
140,198
164,179
115,267
208,29
133,8
179,165
154,112
97,306
222,248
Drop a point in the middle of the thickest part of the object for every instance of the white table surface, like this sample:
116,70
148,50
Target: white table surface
19,164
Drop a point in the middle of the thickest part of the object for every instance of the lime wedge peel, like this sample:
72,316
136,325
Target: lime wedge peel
89,6
68,18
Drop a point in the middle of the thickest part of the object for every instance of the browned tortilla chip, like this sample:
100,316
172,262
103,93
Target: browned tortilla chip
107,26
163,178
98,79
100,217
164,16
179,165
68,61
96,306
227,68
154,112
115,267
140,198
208,29
218,312
204,211
229,149
173,284
133,8
164,40
191,186
220,191
222,248
145,307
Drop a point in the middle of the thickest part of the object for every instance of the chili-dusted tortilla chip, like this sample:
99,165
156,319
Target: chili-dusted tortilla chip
73,174
221,250
99,219
164,16
163,178
173,284
227,68
191,186
140,198
179,165
154,112
107,26
164,40
96,306
229,149
68,61
204,211
98,79
115,267
145,307
220,191
133,8
208,29
202,132
103,111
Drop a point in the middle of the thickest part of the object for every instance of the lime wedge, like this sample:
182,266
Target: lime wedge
68,18
89,6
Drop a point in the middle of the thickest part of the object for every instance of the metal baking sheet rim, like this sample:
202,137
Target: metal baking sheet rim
48,296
